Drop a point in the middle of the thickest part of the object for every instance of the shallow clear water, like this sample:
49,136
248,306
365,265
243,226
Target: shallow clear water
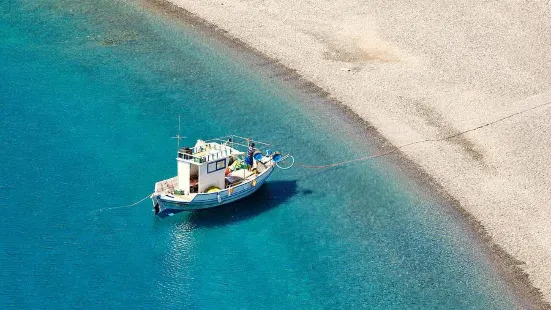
89,97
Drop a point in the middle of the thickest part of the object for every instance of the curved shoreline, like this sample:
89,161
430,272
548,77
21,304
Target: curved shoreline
507,264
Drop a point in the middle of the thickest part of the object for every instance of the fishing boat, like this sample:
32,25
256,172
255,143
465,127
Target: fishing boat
215,172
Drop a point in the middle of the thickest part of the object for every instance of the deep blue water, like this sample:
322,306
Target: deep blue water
89,95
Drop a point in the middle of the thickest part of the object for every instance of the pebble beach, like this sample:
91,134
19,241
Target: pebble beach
462,88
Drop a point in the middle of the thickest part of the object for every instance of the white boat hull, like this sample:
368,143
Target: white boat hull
168,205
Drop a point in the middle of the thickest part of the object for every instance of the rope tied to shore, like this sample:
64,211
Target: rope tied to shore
342,163
396,149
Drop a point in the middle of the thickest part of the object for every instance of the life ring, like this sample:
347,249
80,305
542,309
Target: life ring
230,191
253,183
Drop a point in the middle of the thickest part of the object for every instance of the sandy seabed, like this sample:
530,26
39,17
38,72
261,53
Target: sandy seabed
433,71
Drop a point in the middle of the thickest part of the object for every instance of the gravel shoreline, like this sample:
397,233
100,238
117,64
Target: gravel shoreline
426,71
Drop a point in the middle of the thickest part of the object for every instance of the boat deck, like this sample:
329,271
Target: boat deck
168,186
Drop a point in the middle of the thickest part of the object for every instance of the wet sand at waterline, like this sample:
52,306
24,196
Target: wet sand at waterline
433,72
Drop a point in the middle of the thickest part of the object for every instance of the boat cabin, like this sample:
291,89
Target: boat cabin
203,166
212,166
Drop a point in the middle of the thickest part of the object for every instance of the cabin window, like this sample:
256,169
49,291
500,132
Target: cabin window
217,165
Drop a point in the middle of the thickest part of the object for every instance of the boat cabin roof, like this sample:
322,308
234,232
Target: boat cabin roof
216,149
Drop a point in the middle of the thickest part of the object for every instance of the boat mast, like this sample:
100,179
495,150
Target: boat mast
178,137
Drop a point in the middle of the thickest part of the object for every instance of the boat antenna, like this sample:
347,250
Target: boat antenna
179,137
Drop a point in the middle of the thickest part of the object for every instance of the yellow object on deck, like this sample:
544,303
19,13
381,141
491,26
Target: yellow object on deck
212,189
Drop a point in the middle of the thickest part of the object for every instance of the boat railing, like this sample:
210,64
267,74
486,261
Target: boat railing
236,141
222,147
202,154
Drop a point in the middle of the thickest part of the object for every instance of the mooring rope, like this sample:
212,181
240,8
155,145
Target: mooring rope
397,148
393,151
127,206
348,161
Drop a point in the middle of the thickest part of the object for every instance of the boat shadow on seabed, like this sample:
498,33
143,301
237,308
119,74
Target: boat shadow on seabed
269,196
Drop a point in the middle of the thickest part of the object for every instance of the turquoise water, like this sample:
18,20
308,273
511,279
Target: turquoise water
89,97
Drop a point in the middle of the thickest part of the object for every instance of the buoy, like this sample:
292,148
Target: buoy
230,191
257,155
219,198
253,183
276,157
